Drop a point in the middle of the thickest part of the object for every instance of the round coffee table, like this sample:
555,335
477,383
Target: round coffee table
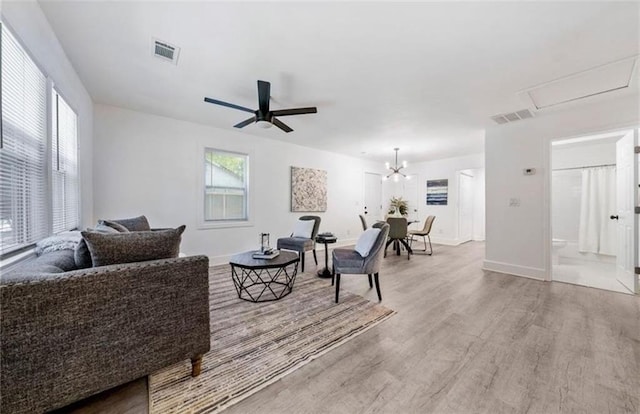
264,280
326,240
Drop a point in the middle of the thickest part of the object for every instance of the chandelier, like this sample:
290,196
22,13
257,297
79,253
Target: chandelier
395,170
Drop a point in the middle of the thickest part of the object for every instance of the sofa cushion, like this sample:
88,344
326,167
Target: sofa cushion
136,246
41,267
139,223
81,253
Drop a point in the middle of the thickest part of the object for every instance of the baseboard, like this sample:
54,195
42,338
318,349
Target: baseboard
224,259
515,270
438,240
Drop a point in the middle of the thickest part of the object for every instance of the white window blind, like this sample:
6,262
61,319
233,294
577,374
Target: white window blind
23,163
226,184
64,166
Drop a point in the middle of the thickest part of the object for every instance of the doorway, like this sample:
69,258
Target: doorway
465,206
593,225
372,197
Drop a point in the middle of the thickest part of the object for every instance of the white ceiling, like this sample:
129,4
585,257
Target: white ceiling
424,77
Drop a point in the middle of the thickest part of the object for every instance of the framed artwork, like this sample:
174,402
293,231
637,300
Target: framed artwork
437,192
308,189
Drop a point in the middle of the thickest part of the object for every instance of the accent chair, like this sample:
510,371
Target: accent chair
302,244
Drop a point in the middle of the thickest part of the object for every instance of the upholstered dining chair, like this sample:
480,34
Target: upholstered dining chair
424,233
352,261
363,221
398,235
302,243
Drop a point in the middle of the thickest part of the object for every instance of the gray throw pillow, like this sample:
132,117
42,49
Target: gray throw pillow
134,224
81,253
114,225
136,246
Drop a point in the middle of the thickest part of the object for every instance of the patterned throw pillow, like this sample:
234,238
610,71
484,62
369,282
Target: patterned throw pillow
135,246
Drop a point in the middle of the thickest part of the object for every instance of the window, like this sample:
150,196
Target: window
226,183
38,166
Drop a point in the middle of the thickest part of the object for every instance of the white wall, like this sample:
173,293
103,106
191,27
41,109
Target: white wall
518,237
152,165
445,227
26,20
583,155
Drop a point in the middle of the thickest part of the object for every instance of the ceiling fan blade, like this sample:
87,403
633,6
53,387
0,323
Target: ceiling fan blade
281,125
295,111
245,122
264,94
228,105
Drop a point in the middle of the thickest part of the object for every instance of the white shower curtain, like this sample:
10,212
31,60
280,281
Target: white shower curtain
597,232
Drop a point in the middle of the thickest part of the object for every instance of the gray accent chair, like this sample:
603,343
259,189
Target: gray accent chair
349,261
424,233
302,244
398,235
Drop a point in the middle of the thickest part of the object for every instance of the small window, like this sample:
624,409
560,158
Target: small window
226,184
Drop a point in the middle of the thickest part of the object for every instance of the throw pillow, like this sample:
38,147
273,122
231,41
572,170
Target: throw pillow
114,225
139,223
366,241
303,228
82,255
135,246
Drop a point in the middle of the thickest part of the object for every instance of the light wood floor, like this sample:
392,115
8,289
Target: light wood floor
463,341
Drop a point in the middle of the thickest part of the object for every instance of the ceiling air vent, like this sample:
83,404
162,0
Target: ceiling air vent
512,116
165,51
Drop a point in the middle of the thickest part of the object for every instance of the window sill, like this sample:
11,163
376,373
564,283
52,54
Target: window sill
224,224
7,264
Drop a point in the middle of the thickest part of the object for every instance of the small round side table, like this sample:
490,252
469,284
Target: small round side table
326,240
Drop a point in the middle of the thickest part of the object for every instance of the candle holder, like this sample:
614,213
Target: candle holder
264,242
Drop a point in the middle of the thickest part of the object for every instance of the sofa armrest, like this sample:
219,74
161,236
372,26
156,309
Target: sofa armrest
78,333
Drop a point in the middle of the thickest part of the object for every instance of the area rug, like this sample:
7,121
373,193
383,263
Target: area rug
255,344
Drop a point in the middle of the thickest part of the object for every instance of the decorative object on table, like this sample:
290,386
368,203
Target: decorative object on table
303,238
395,169
308,189
260,344
424,233
264,242
263,116
398,235
259,280
365,259
326,239
398,207
267,254
437,192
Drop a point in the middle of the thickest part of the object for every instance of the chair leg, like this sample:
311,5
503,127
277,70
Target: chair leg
333,275
302,261
337,286
430,246
387,245
375,276
370,281
409,251
315,258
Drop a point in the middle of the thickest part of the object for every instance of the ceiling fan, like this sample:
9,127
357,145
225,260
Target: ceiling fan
263,117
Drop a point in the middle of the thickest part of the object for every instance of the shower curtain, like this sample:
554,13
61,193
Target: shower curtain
597,232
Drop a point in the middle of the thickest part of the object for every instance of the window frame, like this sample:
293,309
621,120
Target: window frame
204,224
25,250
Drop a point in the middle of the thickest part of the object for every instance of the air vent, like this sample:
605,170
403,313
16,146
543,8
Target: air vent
512,116
165,51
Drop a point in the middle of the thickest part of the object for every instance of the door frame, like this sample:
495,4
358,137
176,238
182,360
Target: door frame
459,175
364,192
547,230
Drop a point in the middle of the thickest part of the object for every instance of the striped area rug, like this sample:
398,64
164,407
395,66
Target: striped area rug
254,344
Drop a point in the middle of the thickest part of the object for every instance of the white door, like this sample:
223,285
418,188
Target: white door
372,197
626,194
410,193
465,207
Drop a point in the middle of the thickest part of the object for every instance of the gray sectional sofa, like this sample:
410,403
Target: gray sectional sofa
69,333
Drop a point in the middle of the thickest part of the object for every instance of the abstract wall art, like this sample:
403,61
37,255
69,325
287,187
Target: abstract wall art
437,192
308,189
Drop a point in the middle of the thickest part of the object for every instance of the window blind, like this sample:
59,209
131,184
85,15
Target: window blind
64,166
23,163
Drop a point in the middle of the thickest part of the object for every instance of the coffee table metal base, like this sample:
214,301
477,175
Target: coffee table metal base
262,280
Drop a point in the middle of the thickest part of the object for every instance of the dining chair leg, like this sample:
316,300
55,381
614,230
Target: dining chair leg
375,276
337,286
370,281
430,246
387,245
409,251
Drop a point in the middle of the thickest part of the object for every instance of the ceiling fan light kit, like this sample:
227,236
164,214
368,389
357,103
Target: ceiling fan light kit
263,117
395,170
